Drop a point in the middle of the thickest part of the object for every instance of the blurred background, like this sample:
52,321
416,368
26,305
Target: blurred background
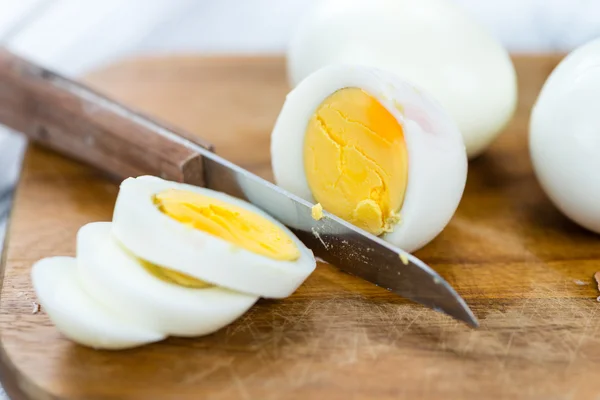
75,36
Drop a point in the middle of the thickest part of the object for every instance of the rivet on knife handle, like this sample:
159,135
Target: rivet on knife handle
80,123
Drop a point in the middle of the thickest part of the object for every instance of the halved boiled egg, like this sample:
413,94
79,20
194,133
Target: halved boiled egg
150,296
373,150
77,315
209,236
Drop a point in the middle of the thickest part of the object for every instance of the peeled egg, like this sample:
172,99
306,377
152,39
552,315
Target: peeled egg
373,150
209,236
150,296
431,43
564,137
77,315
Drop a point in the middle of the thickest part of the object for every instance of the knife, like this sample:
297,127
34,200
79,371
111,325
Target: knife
78,122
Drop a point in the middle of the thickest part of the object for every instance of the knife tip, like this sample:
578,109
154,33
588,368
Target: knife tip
467,316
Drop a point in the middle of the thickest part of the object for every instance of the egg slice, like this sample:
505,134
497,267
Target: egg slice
564,136
148,295
77,315
431,43
209,236
372,150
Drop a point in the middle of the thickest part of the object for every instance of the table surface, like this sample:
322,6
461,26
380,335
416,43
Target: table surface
524,269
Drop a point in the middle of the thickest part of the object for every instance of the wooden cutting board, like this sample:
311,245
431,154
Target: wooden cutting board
524,269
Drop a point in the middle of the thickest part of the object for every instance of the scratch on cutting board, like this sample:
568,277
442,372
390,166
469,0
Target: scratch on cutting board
199,376
370,347
309,373
401,332
582,337
507,351
239,384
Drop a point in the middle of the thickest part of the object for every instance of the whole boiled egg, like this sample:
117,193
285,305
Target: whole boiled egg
431,43
373,150
210,236
564,137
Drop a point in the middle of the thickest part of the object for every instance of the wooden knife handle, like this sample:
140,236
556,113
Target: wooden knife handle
78,122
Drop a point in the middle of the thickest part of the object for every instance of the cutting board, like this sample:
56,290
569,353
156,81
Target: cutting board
524,269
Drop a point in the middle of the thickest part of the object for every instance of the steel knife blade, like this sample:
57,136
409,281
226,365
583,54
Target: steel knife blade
339,243
77,121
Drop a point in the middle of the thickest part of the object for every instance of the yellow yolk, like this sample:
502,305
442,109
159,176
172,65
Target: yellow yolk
356,161
169,275
237,225
317,212
404,258
174,277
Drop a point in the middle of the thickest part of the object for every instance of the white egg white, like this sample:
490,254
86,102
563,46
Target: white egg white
116,279
77,315
437,162
155,237
431,43
564,137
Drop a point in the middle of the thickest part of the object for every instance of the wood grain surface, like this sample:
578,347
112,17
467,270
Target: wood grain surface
526,271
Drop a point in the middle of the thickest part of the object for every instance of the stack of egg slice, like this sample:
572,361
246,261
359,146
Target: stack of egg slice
177,260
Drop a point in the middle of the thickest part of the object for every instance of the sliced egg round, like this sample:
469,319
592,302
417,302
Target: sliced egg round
77,315
209,236
372,150
163,300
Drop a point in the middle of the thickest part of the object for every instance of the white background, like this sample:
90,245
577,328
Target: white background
73,35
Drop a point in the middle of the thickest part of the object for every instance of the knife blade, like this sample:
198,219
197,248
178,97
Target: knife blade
76,121
340,243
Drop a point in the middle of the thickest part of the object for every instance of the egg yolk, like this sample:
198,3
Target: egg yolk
356,161
237,225
168,275
174,277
